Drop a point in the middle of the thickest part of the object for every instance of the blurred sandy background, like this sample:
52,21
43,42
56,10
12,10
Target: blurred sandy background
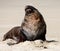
12,14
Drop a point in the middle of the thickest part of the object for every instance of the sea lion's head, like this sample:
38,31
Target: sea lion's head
29,9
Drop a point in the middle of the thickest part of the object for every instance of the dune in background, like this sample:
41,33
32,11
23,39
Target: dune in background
12,14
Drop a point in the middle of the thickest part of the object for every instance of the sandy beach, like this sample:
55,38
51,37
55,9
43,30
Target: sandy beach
12,14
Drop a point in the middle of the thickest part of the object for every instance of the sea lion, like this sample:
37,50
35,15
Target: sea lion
33,25
32,28
15,34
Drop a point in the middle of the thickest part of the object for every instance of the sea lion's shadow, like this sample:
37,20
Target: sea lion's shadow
49,41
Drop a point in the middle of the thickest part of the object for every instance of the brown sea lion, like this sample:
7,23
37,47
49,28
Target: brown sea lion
16,34
33,26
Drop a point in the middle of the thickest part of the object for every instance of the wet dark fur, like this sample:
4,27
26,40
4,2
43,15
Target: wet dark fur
16,34
33,26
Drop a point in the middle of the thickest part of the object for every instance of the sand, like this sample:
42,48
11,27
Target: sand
36,45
